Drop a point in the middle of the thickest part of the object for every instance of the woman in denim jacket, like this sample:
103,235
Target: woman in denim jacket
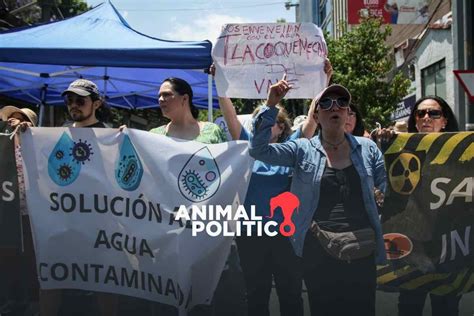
334,178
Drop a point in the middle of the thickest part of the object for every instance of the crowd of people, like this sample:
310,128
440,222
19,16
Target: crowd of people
328,160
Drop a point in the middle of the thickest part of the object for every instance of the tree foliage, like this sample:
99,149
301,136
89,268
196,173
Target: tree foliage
363,63
71,8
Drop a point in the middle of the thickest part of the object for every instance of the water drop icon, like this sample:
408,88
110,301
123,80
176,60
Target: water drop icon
62,168
128,168
200,177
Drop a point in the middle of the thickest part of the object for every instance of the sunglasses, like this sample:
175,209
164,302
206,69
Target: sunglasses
326,103
79,101
433,114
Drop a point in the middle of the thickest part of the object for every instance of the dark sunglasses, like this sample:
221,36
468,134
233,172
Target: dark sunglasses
79,101
433,114
327,103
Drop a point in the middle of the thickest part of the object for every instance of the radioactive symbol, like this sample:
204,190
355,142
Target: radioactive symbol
404,173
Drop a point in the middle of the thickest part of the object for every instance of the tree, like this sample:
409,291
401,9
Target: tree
362,62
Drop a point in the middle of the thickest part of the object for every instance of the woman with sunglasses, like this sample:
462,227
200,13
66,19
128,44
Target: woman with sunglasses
334,177
431,114
262,258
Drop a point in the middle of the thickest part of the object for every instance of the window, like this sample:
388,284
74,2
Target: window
433,80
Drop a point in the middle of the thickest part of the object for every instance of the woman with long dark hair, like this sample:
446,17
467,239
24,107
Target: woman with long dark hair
431,114
176,102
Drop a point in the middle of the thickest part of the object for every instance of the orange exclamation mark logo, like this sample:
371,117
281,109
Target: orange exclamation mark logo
288,202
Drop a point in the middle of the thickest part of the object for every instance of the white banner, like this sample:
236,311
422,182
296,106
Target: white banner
103,205
249,58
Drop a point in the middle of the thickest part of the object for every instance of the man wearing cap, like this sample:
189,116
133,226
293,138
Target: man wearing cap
83,101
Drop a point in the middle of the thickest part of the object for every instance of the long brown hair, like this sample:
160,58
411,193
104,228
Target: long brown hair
282,117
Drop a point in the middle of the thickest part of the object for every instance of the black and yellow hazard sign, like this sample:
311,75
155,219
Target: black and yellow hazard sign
428,214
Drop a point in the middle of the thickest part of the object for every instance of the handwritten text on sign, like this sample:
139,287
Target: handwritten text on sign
250,58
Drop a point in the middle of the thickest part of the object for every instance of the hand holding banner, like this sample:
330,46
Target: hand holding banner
103,208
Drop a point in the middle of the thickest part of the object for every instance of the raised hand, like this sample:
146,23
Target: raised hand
278,91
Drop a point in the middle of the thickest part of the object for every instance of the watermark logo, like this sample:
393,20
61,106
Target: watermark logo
288,203
219,220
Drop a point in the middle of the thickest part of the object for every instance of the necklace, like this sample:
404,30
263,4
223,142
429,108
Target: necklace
335,146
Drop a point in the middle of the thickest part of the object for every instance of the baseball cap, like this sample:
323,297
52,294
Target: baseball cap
335,88
8,110
82,87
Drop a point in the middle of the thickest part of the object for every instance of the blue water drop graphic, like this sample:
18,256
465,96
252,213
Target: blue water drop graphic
128,168
62,168
200,177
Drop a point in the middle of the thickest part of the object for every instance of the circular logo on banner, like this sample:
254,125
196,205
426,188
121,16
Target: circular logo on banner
404,173
397,246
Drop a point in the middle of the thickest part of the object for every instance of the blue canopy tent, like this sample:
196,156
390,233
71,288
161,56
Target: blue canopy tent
38,63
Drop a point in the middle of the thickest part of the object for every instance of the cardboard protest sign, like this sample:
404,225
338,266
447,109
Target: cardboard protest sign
10,226
249,58
103,209
429,213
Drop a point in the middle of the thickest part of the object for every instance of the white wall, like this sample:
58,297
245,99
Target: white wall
436,45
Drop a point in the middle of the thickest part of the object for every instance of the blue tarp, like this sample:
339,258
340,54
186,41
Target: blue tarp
37,63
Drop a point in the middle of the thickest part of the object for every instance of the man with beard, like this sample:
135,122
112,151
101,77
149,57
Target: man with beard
86,109
83,101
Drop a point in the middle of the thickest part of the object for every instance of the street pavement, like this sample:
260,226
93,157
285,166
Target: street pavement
386,304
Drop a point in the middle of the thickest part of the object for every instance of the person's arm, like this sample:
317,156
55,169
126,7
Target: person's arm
328,70
228,111
378,165
281,154
309,126
230,116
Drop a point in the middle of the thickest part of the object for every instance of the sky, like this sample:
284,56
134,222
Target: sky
196,19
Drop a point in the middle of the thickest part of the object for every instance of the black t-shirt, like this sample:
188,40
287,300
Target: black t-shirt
341,205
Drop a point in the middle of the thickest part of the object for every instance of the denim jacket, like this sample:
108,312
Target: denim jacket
308,158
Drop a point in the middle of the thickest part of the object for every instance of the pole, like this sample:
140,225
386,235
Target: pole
209,97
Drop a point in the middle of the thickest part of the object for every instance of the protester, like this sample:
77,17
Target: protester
265,258
17,280
175,98
354,124
176,102
334,177
85,107
84,104
431,114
